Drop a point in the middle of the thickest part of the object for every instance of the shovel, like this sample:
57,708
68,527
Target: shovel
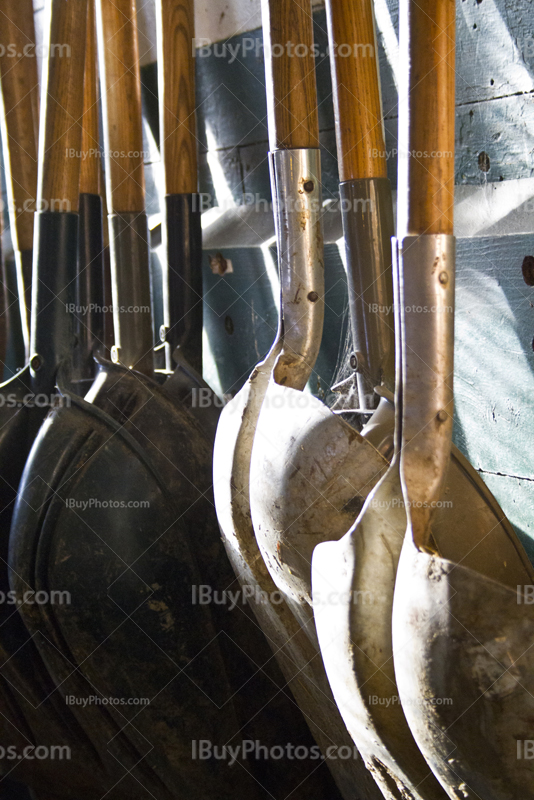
182,284
310,470
462,632
349,609
293,124
182,232
354,580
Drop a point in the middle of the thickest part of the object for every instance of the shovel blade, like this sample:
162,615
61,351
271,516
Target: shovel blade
464,661
95,521
353,586
310,474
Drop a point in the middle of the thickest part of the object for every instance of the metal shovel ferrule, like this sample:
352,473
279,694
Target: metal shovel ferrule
367,215
298,208
426,280
182,281
51,336
130,289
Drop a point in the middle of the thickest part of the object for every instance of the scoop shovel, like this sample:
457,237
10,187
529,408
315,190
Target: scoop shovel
354,579
182,284
294,139
462,634
310,470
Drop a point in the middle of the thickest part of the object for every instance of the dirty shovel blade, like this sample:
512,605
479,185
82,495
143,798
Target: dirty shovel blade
107,521
353,585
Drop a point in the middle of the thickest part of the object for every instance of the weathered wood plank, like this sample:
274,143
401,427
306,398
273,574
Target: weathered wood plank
494,372
241,318
504,130
494,49
516,497
495,104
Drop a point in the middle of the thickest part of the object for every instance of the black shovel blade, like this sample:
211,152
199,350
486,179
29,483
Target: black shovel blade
98,523
21,414
33,714
42,742
29,712
130,576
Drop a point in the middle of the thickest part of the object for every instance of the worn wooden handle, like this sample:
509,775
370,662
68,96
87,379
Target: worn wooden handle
356,89
20,115
60,135
290,74
427,48
176,31
121,93
90,169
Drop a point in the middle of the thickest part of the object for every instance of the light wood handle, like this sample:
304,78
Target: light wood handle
428,48
121,94
176,78
60,135
20,115
356,89
290,74
90,169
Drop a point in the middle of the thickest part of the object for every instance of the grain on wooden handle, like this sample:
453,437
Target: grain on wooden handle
121,94
428,48
20,115
356,89
290,74
60,134
90,169
176,80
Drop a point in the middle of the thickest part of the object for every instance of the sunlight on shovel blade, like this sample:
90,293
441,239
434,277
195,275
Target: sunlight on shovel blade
465,667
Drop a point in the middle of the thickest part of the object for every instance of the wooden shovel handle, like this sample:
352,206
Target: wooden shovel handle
121,92
20,115
60,135
290,74
356,89
90,170
428,188
176,32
